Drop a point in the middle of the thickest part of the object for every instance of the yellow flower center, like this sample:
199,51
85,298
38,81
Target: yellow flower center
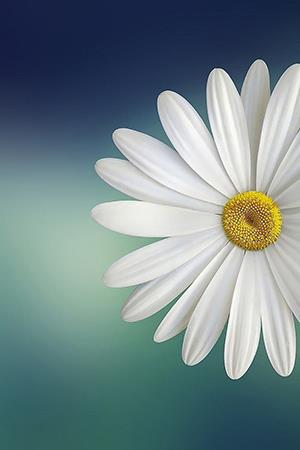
252,220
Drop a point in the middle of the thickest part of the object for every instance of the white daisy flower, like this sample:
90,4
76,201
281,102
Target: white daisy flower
228,205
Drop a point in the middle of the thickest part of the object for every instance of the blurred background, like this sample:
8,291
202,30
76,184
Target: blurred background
73,375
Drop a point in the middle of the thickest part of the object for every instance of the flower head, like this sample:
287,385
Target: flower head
227,203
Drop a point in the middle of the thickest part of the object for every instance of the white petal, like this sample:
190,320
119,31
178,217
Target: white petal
150,297
290,197
179,315
211,313
151,220
125,177
290,212
289,170
159,258
164,165
243,329
281,123
277,321
291,225
192,140
229,128
255,96
284,261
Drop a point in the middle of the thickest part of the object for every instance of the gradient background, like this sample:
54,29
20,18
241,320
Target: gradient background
73,375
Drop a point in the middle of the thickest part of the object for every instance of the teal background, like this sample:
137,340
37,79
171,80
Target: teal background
73,375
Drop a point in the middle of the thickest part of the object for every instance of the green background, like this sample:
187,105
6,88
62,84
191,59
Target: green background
73,375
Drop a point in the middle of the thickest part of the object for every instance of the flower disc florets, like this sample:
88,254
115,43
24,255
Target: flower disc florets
252,220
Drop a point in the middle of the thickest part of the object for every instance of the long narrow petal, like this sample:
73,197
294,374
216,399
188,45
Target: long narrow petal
125,177
281,123
289,198
164,165
255,95
284,261
277,321
288,171
211,313
291,212
229,128
193,141
151,220
243,329
179,315
150,297
159,258
291,225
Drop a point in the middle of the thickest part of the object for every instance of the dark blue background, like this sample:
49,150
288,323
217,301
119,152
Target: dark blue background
71,65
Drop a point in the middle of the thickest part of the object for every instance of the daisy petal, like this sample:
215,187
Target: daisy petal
211,313
192,140
125,177
291,225
164,165
243,329
277,321
289,170
150,297
179,315
291,212
281,123
289,198
255,95
283,258
158,258
229,128
151,220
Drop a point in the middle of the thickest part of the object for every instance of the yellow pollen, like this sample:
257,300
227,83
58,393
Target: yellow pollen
252,220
